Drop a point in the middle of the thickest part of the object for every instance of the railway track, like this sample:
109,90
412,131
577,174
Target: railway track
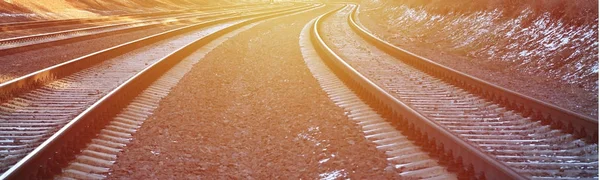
24,43
96,159
28,25
488,131
431,122
40,56
12,87
9,29
44,124
52,28
404,152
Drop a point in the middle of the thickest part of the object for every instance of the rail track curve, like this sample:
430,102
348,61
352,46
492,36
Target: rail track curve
68,137
469,121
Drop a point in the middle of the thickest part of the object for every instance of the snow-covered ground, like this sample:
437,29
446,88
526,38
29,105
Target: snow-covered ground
550,39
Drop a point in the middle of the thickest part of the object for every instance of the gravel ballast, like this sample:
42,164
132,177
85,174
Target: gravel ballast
251,109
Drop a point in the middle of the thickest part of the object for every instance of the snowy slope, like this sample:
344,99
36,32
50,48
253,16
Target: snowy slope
557,39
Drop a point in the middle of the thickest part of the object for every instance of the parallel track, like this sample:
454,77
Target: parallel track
23,43
414,108
96,159
480,126
404,151
89,94
14,28
27,25
52,28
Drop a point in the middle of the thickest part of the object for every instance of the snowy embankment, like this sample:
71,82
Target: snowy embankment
554,39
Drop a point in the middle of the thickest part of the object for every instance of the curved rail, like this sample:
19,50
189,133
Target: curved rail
560,118
58,149
476,162
13,40
25,83
45,23
24,43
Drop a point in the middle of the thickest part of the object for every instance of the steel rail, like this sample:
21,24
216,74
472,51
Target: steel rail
30,81
50,34
44,161
44,23
473,160
30,38
48,116
559,118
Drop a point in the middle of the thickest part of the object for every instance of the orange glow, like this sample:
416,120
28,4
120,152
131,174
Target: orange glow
65,9
4,78
53,9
